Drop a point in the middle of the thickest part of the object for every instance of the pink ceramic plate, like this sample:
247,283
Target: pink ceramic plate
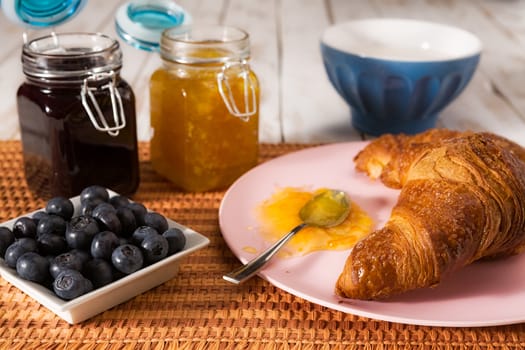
482,294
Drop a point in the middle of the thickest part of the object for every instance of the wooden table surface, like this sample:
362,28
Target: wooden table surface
298,104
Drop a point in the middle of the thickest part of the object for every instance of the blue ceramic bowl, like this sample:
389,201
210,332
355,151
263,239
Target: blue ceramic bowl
398,74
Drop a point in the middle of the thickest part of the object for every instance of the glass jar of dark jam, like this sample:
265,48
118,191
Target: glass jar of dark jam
77,116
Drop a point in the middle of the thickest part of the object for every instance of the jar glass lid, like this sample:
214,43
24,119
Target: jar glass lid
141,22
39,13
71,55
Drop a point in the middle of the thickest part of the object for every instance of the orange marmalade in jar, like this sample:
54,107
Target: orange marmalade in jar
204,108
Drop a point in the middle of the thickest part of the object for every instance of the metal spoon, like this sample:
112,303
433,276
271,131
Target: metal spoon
328,208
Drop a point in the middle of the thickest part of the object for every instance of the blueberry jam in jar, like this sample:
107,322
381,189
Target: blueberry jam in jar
77,116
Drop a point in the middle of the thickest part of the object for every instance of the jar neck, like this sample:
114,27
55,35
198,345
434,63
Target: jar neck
71,58
76,83
205,45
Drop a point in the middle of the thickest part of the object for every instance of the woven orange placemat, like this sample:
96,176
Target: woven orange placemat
197,309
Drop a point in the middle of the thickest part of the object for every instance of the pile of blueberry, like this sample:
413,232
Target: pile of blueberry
72,255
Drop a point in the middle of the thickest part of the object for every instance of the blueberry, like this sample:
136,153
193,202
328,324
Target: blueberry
39,215
101,208
60,206
19,248
87,207
176,240
157,221
154,247
127,221
117,274
109,221
3,248
141,232
80,232
51,224
103,245
65,261
119,201
127,258
94,193
51,244
124,240
99,272
24,227
7,237
70,284
82,255
139,210
33,267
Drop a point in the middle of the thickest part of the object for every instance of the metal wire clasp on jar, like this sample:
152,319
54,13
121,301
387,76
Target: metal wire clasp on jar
249,92
204,107
93,110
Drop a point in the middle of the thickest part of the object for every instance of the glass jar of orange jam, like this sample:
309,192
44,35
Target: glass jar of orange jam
204,108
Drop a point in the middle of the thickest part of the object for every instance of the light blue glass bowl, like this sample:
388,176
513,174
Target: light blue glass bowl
397,74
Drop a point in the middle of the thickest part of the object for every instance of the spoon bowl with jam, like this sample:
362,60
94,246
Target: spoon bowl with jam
326,209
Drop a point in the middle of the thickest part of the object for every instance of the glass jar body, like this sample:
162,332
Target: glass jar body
197,143
63,150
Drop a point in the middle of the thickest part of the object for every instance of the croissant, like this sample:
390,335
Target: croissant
462,199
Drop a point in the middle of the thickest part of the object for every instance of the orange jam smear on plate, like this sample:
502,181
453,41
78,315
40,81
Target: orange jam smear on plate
280,213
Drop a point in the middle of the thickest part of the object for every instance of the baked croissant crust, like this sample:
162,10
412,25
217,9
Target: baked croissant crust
462,199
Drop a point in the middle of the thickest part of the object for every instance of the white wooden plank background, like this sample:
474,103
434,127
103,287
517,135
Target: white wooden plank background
298,104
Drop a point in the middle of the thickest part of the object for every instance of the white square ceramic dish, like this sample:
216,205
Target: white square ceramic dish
117,292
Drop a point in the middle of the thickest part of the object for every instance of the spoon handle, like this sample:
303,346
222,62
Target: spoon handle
243,273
